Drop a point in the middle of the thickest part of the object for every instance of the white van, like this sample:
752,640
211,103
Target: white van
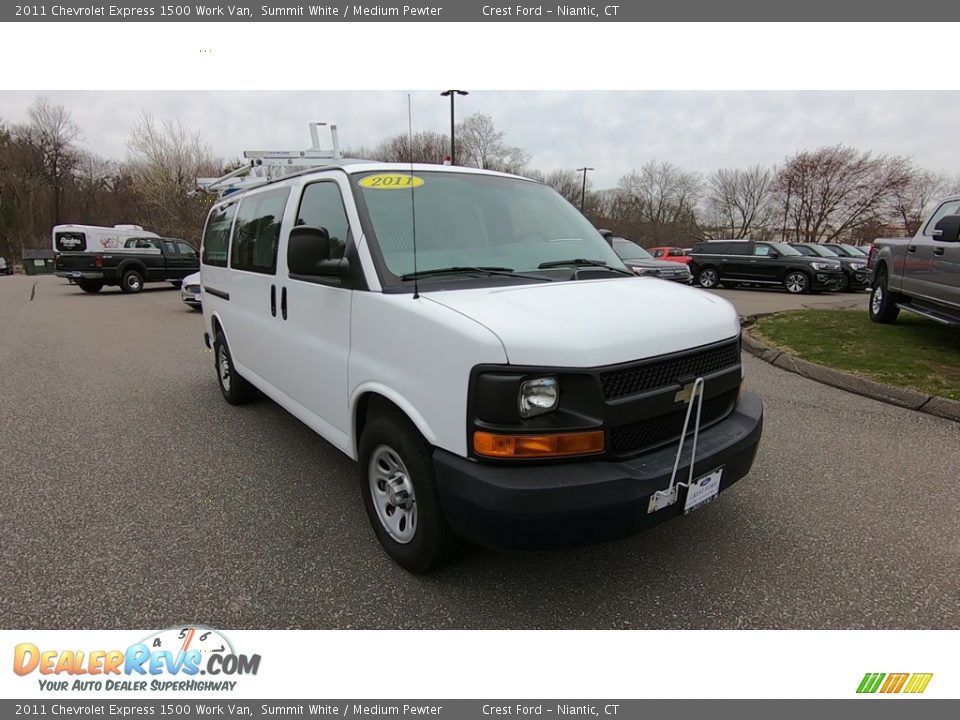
94,238
474,343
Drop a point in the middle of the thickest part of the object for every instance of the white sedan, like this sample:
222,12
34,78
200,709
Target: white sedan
190,291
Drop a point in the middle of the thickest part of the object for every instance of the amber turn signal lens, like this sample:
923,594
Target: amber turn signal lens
533,446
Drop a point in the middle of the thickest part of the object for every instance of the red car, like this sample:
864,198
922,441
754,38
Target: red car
673,254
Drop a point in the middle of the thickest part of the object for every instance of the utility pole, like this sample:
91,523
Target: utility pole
583,190
453,148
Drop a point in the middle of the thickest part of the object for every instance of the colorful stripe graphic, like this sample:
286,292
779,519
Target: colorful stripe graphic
914,683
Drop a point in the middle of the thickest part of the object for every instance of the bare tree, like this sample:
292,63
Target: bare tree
658,203
53,133
912,200
423,147
481,145
832,191
739,202
166,159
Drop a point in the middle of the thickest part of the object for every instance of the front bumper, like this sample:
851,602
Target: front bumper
827,280
859,280
576,503
190,298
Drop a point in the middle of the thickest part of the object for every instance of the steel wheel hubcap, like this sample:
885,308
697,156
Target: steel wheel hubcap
392,494
795,283
223,363
877,300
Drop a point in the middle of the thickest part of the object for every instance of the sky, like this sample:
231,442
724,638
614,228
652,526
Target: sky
613,132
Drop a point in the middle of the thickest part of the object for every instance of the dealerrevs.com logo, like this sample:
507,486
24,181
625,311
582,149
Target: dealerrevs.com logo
893,683
179,659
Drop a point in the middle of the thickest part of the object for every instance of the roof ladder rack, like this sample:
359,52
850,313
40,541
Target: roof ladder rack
264,166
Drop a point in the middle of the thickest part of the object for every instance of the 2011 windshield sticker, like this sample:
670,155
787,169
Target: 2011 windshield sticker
168,660
391,181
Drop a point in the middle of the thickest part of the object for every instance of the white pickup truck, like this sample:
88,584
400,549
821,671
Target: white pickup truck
473,342
920,274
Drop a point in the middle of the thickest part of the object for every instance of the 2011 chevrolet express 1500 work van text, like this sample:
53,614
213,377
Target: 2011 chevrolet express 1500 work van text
462,335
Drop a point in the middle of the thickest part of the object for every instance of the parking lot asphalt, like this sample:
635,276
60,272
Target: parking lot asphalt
134,496
769,300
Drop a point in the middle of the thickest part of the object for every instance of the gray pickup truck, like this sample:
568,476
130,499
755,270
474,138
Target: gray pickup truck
920,274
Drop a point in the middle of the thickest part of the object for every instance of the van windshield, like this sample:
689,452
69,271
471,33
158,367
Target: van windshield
468,220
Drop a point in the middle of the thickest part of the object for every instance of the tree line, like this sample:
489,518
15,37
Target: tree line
830,193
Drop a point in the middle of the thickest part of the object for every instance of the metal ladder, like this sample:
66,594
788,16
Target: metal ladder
264,166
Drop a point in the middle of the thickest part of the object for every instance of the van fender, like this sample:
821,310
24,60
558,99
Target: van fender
397,399
216,320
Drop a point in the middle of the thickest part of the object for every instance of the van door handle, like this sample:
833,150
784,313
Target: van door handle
911,248
938,251
283,303
273,300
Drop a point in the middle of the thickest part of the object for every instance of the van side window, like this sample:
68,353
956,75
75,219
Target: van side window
762,250
257,232
216,237
186,249
169,248
321,205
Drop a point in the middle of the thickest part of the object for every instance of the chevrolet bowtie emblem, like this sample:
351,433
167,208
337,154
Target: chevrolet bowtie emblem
684,394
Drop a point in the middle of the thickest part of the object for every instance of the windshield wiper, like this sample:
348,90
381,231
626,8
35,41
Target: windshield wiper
472,270
582,262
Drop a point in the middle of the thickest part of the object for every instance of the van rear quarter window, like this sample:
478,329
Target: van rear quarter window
216,238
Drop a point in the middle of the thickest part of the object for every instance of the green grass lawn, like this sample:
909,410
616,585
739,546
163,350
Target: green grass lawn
913,352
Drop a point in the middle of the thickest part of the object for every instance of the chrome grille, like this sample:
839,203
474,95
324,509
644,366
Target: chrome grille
657,373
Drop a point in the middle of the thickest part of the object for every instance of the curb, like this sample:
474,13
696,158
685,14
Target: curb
890,394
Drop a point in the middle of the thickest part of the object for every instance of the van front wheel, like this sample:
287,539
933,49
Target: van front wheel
400,494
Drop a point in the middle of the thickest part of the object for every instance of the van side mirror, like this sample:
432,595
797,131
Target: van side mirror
947,229
309,253
607,235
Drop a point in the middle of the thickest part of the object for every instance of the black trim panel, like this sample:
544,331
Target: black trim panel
217,293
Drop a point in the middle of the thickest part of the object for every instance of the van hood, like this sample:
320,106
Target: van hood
586,323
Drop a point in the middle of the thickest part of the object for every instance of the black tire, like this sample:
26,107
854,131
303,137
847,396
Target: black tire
432,542
233,387
844,284
132,282
708,278
90,286
883,303
797,282
176,283
197,308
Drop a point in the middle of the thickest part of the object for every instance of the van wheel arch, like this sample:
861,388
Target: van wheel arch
372,404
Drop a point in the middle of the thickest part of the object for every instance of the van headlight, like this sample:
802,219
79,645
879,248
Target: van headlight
859,267
539,396
823,266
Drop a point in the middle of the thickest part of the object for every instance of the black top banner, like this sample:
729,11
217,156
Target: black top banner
480,11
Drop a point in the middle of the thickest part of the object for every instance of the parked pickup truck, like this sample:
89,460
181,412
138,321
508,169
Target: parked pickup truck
920,274
139,261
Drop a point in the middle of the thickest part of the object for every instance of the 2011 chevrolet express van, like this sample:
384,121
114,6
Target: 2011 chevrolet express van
474,343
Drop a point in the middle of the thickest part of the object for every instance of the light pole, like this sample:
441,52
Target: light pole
453,148
583,190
